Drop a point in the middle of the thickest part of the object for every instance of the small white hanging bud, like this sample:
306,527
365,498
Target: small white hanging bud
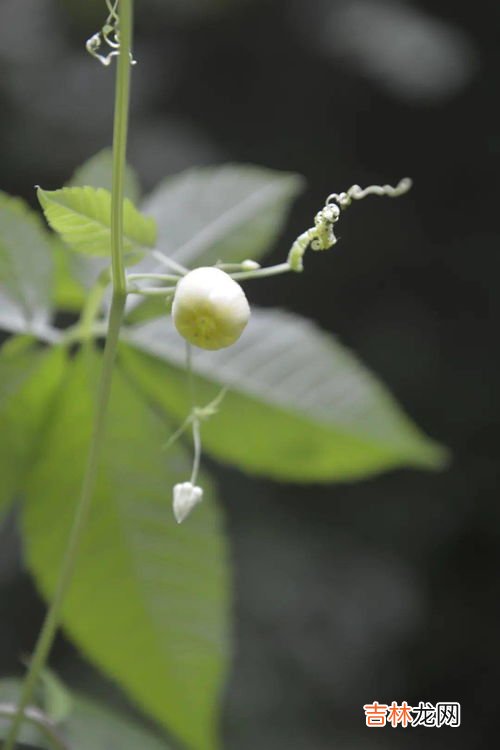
186,497
210,309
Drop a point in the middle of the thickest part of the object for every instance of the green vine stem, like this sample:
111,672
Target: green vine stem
53,617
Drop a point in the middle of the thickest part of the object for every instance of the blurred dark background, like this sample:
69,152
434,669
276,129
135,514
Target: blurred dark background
386,589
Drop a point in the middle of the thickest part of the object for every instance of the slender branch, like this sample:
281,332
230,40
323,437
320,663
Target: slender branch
152,291
245,265
153,276
52,619
260,273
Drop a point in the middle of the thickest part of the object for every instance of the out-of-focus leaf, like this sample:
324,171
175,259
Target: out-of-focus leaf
98,173
82,217
25,258
75,274
29,734
152,307
300,407
149,602
29,378
58,701
227,213
69,292
89,726
13,320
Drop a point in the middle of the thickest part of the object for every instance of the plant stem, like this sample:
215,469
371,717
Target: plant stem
52,619
120,131
153,276
152,291
260,273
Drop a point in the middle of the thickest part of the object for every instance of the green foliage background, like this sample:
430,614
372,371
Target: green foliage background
151,602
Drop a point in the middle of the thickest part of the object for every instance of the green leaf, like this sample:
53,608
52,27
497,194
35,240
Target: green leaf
76,273
227,213
98,173
29,378
82,216
301,407
25,258
149,601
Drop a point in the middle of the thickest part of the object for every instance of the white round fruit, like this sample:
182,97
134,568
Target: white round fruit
210,309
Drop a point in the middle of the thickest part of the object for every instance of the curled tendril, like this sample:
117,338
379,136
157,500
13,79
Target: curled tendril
113,9
108,38
321,236
356,193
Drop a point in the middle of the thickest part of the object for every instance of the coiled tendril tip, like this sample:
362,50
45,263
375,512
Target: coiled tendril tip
108,36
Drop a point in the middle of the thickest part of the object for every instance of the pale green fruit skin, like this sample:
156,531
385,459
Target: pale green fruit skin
210,309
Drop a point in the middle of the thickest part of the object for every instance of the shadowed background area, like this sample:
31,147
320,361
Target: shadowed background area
385,589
